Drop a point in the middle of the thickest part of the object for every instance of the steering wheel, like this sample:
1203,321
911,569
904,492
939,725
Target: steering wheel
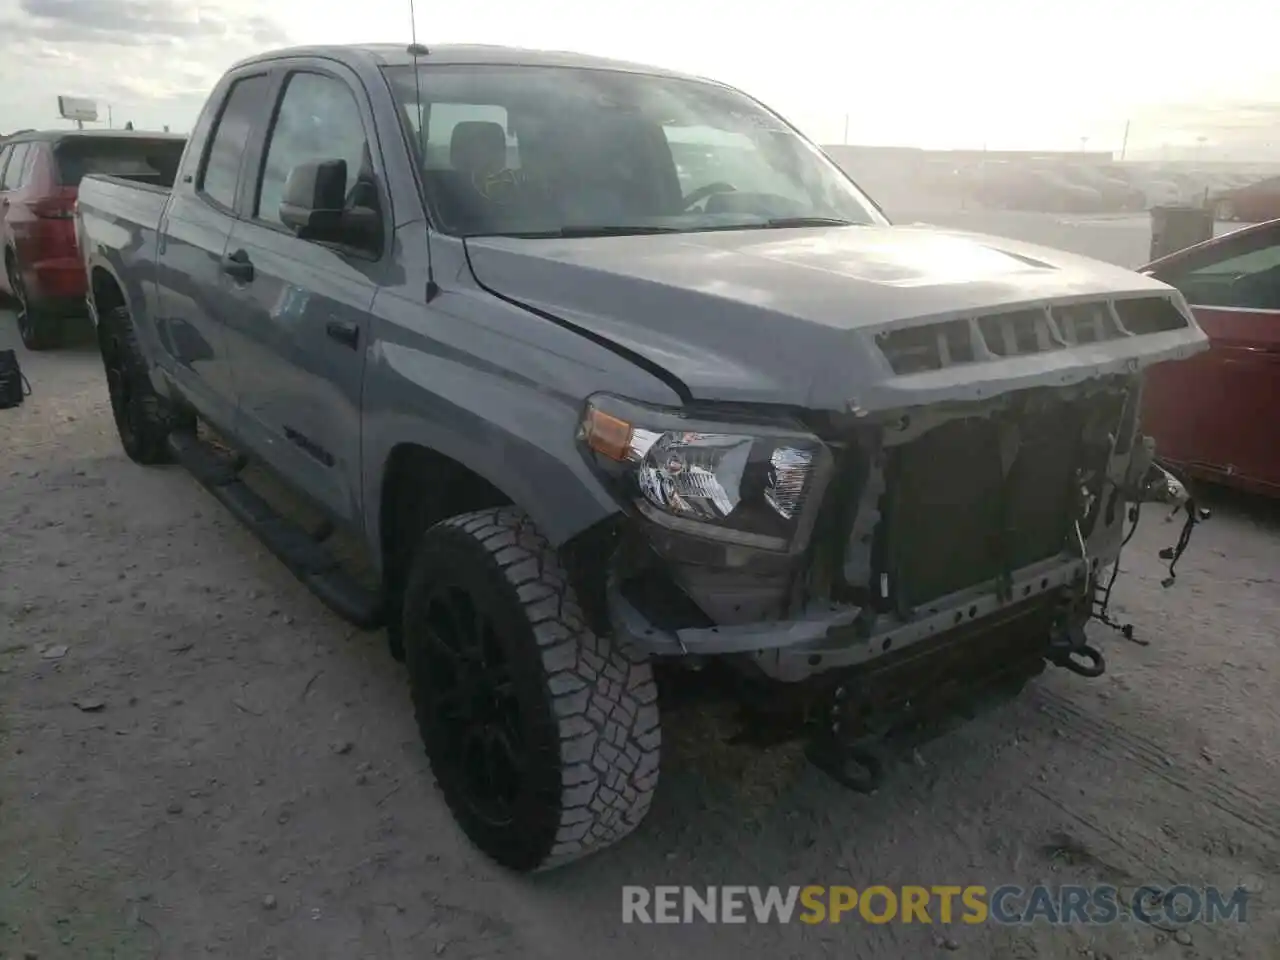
705,191
498,186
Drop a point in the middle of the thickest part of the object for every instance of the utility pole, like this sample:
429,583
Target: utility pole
110,123
1124,144
846,129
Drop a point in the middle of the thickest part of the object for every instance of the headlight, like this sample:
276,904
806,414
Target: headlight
741,483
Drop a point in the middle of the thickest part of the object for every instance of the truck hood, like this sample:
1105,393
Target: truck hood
790,316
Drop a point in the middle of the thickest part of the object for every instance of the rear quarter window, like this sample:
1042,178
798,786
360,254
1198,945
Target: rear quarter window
13,169
146,161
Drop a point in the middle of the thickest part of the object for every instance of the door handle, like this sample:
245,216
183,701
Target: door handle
238,266
345,332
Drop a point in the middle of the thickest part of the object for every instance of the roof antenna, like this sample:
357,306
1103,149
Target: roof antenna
415,47
417,50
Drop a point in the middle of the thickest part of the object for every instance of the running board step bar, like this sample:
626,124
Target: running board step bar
297,549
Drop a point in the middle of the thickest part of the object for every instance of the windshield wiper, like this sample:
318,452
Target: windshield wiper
605,230
614,230
640,229
811,222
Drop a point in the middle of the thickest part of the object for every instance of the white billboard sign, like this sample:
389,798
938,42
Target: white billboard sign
77,108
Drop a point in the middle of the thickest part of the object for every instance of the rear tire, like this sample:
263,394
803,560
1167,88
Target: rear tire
144,419
543,737
38,331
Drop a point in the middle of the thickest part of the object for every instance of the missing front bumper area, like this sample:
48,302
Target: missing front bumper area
828,635
879,710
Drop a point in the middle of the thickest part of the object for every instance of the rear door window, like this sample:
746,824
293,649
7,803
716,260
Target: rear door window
231,135
146,161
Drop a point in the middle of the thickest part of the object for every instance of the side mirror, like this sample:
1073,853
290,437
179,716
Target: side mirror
314,196
315,207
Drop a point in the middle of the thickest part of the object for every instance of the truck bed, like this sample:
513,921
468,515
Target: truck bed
119,220
125,202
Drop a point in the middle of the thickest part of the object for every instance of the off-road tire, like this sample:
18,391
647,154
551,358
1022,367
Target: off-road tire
37,330
588,704
144,419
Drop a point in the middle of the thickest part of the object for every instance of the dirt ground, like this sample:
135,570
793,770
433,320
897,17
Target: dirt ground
197,759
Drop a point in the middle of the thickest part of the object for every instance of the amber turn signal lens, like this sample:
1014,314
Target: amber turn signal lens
606,435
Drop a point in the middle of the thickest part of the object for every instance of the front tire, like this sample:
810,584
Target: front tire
144,419
543,737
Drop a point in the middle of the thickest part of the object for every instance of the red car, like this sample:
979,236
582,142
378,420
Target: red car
40,175
1252,203
1217,414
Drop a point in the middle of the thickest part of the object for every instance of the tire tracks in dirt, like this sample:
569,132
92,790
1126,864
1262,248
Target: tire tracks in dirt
1107,739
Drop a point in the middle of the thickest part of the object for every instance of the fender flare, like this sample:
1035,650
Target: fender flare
92,265
556,488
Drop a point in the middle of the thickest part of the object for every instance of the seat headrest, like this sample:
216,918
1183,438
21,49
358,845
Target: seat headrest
478,145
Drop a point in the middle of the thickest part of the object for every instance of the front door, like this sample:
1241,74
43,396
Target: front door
298,339
1219,411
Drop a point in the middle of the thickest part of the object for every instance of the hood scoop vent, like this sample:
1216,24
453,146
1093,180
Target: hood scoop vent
1023,258
1016,333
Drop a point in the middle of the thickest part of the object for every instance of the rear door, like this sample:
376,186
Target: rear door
1220,410
192,286
298,332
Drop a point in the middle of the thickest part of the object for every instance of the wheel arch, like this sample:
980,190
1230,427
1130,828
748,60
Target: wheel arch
418,487
106,291
418,484
562,497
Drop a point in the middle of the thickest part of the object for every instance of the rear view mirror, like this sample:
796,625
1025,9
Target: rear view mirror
314,196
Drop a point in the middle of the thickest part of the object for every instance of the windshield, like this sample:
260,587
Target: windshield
528,150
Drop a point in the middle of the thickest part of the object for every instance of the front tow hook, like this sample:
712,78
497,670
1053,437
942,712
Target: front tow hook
1084,660
858,768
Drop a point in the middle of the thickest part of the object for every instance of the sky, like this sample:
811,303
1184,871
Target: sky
1006,74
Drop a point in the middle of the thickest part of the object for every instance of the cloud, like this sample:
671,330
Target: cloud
153,61
136,22
1217,120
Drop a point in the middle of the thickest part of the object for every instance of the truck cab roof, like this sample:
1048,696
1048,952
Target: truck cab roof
397,55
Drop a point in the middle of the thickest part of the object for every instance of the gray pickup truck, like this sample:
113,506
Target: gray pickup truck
619,380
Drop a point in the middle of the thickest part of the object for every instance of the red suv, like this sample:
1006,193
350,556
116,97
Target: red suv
40,174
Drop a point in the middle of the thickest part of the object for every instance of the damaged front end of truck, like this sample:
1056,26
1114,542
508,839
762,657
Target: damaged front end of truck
886,567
